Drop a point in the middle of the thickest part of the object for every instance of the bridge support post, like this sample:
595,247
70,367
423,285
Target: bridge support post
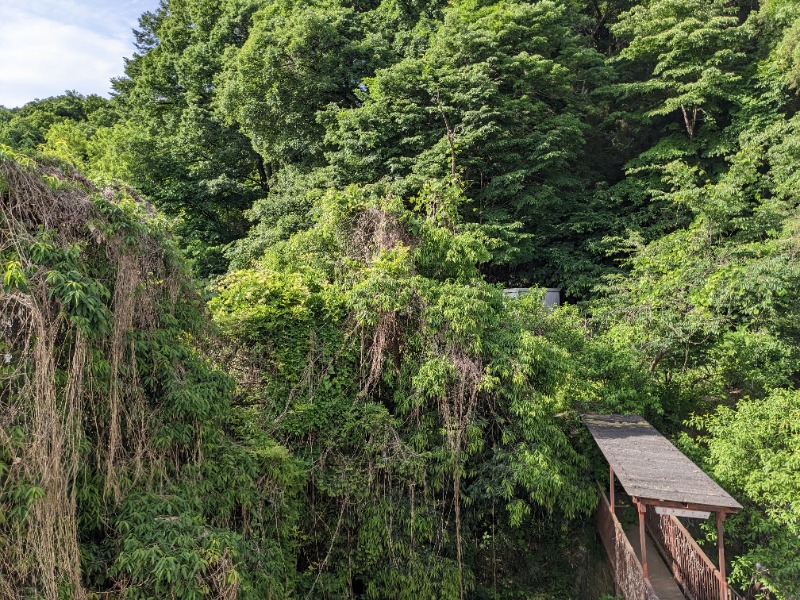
643,539
611,487
723,580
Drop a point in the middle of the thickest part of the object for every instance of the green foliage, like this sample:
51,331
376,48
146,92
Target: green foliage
754,449
465,109
177,150
714,302
28,127
171,552
297,59
693,47
432,411
358,179
155,485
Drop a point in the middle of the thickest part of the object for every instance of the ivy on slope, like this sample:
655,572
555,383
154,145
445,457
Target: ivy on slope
123,467
434,415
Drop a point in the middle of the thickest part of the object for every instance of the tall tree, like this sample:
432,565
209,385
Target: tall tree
692,48
497,102
183,155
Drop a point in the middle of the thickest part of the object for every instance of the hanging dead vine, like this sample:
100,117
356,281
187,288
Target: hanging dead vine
457,409
51,401
376,231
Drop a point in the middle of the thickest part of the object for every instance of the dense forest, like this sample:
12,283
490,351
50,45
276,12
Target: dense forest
254,338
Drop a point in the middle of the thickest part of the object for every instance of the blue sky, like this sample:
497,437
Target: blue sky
49,46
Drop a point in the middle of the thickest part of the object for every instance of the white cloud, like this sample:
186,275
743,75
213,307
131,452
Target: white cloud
47,46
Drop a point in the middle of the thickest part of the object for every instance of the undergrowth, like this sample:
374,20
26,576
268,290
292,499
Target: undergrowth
123,467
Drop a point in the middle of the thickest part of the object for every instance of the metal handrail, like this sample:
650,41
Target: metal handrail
628,575
698,577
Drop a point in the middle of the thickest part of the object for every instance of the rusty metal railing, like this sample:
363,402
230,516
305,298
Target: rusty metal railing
629,579
693,570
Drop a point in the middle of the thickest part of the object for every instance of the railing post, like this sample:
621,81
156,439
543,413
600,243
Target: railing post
611,487
642,539
723,581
